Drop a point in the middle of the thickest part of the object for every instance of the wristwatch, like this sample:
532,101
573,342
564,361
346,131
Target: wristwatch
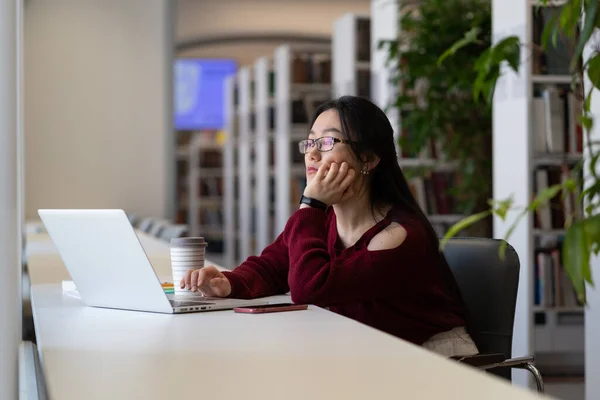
313,202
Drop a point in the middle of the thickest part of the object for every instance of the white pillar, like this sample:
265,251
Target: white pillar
592,312
10,301
385,15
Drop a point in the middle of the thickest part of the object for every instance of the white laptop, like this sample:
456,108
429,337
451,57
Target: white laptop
110,268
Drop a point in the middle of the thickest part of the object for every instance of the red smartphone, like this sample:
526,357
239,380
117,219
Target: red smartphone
269,308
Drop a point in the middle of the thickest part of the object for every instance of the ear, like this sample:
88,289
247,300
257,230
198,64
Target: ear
370,160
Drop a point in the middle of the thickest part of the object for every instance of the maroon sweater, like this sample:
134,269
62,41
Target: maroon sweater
400,291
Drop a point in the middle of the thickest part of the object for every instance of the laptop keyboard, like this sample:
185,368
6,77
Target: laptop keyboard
188,303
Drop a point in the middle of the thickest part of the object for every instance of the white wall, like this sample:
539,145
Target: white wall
211,18
10,260
98,104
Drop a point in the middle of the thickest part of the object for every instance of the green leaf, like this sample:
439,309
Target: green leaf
587,122
596,249
462,224
509,232
570,184
591,9
590,208
569,18
576,258
592,228
483,61
590,192
593,70
544,196
469,37
593,163
501,207
490,88
509,50
549,29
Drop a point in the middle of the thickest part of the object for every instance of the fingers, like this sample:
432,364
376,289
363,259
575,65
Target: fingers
333,172
341,173
193,280
196,278
186,280
205,274
347,178
321,172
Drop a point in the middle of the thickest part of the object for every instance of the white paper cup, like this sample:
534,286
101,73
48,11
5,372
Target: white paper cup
187,254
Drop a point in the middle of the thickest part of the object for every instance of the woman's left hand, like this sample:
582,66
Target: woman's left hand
331,184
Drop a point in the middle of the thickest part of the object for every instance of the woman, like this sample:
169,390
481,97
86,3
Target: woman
359,243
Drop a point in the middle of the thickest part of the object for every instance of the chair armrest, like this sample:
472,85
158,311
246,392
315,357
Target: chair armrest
517,362
489,361
482,361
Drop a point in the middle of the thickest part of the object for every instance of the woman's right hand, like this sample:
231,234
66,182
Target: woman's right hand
332,183
208,280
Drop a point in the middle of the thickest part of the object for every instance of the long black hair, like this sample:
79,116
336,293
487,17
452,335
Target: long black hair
371,133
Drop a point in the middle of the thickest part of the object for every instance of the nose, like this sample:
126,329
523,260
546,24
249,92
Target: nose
313,154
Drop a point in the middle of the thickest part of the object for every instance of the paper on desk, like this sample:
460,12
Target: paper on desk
69,288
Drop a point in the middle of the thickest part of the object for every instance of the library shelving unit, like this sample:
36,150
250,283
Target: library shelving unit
244,161
268,109
239,164
302,82
537,140
205,183
230,246
199,186
431,174
351,55
263,149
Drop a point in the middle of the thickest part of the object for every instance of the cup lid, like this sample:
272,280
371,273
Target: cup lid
188,241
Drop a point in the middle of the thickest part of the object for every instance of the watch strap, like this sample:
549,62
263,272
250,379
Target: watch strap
313,202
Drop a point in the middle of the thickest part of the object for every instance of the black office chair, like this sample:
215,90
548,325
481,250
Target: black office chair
489,289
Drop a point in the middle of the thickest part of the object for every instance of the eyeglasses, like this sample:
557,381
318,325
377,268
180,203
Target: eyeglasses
325,143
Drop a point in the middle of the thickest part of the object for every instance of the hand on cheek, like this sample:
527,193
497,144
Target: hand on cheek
332,183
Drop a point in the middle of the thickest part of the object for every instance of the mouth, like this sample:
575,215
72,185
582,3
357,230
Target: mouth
311,170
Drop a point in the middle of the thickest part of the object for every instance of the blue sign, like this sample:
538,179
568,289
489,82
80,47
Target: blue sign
199,92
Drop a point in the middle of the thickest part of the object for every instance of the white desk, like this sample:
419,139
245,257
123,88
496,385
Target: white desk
91,353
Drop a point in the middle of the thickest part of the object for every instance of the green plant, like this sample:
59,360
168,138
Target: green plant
577,22
435,102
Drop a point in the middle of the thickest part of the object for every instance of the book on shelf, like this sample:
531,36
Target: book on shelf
554,60
431,192
363,39
211,187
311,68
363,83
556,127
552,287
555,213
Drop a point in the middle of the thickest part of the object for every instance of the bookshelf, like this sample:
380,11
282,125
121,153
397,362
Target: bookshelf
351,55
200,184
429,173
268,108
230,175
244,164
537,141
264,171
302,82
